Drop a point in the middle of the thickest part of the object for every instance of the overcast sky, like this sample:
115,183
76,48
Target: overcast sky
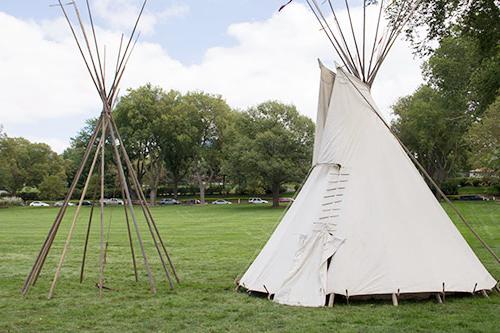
242,49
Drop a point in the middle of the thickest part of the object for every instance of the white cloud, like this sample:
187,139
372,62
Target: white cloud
40,77
57,145
121,14
43,77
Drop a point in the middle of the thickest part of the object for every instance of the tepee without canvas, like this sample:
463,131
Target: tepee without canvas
105,133
365,222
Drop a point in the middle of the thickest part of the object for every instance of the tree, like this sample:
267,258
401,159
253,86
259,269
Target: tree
463,75
74,153
136,115
73,157
274,145
23,163
463,79
484,140
177,133
212,121
53,187
439,19
432,131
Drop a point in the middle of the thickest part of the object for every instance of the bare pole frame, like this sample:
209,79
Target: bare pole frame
104,123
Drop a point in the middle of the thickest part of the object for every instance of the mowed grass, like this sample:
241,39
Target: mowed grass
211,246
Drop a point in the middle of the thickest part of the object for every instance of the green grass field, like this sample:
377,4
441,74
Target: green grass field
210,245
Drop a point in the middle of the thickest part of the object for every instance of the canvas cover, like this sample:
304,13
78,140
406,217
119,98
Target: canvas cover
365,206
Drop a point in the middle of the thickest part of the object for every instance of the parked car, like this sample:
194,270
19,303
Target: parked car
39,204
472,197
286,200
169,201
87,203
61,203
221,202
257,201
112,202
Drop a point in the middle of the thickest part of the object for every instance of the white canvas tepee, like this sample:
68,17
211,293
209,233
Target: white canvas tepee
365,222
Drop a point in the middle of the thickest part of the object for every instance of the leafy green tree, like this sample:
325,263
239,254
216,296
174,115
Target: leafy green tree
438,19
136,116
484,140
432,131
177,132
463,79
463,75
273,144
23,163
212,121
74,155
53,187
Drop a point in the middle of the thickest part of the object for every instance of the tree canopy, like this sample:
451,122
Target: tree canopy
273,145
440,122
23,163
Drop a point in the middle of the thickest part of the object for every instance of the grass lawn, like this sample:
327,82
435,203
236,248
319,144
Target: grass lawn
210,245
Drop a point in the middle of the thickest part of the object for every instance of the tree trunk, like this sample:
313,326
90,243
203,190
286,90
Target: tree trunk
154,188
439,176
201,186
152,196
202,194
276,195
176,186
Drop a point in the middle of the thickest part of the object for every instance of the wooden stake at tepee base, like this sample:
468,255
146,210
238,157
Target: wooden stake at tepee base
105,132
